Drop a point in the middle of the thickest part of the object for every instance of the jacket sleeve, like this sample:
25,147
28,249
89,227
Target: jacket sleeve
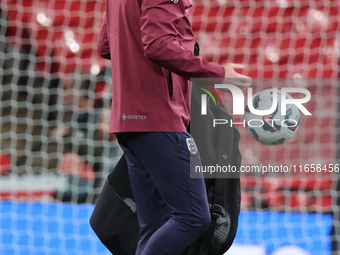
158,27
103,46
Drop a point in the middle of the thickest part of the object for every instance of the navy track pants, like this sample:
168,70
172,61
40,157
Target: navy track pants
172,208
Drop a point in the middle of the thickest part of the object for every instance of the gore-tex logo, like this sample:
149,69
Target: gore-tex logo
133,117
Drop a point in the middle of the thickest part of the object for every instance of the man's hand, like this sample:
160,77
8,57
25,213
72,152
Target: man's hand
234,78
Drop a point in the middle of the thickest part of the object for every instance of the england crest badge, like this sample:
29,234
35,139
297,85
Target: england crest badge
191,145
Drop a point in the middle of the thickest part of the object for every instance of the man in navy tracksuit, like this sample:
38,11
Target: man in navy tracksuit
150,44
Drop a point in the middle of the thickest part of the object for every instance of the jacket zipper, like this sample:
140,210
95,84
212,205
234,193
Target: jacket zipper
170,86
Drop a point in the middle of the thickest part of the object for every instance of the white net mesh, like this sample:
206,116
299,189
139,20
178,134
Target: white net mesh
54,108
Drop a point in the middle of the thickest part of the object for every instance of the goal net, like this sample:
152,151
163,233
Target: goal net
56,151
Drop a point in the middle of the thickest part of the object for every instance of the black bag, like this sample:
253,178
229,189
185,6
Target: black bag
113,220
217,146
